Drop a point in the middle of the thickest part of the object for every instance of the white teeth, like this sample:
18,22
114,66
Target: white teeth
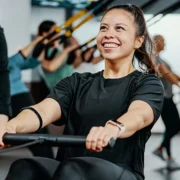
110,45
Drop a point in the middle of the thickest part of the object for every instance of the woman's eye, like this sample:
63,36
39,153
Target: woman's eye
103,28
119,28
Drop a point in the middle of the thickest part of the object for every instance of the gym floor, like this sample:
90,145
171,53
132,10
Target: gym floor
155,169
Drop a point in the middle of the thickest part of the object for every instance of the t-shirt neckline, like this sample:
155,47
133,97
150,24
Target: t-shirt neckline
116,79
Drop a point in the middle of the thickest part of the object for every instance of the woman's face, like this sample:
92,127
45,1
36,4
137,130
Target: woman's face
117,35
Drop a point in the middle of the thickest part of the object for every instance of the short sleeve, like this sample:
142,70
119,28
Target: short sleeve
63,93
15,61
30,63
150,90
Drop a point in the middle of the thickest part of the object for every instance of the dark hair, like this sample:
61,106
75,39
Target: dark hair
67,42
45,26
143,54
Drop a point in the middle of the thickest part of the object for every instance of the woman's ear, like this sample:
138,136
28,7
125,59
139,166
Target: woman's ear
138,42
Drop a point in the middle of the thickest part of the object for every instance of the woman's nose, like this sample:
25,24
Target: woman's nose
109,34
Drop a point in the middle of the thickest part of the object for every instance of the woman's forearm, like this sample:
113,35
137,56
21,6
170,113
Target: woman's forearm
54,64
132,123
3,118
26,51
139,115
25,122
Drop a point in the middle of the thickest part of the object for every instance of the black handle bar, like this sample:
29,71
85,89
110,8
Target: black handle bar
50,140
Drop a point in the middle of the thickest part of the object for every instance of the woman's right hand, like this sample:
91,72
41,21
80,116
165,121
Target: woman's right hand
26,51
5,127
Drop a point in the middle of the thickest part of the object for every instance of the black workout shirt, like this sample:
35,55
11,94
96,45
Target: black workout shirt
88,100
5,101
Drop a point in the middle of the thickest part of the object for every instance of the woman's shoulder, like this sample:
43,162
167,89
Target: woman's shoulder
146,76
142,78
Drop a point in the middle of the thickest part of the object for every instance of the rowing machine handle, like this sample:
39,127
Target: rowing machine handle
51,140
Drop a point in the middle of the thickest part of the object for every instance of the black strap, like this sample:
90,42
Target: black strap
21,146
37,114
24,57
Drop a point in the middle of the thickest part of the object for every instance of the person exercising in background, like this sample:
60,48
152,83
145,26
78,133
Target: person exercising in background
56,69
20,93
170,115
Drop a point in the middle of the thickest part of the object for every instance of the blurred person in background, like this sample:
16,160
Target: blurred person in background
20,94
170,115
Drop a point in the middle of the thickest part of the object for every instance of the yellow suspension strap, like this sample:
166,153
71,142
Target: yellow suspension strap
69,31
40,46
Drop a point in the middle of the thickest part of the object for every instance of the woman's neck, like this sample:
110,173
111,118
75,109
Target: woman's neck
115,70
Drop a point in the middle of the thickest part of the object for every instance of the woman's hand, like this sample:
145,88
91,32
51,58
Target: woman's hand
2,130
89,53
96,59
99,137
5,128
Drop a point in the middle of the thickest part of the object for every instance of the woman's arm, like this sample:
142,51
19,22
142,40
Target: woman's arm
57,61
168,75
27,121
138,116
146,102
21,59
3,122
78,59
177,76
26,51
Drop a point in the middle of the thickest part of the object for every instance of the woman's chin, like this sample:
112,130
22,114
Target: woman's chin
110,58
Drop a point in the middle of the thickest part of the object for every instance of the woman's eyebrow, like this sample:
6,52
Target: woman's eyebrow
121,24
104,24
116,24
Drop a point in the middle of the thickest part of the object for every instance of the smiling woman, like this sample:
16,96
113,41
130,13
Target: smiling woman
124,37
119,102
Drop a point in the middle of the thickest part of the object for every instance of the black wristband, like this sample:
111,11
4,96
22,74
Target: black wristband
22,54
37,114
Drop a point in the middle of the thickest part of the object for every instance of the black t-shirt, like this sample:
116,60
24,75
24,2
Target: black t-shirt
88,100
5,100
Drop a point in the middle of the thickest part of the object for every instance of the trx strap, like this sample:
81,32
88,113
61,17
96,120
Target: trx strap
6,150
72,56
98,8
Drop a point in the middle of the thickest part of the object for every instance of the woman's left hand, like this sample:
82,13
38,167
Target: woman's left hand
99,137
